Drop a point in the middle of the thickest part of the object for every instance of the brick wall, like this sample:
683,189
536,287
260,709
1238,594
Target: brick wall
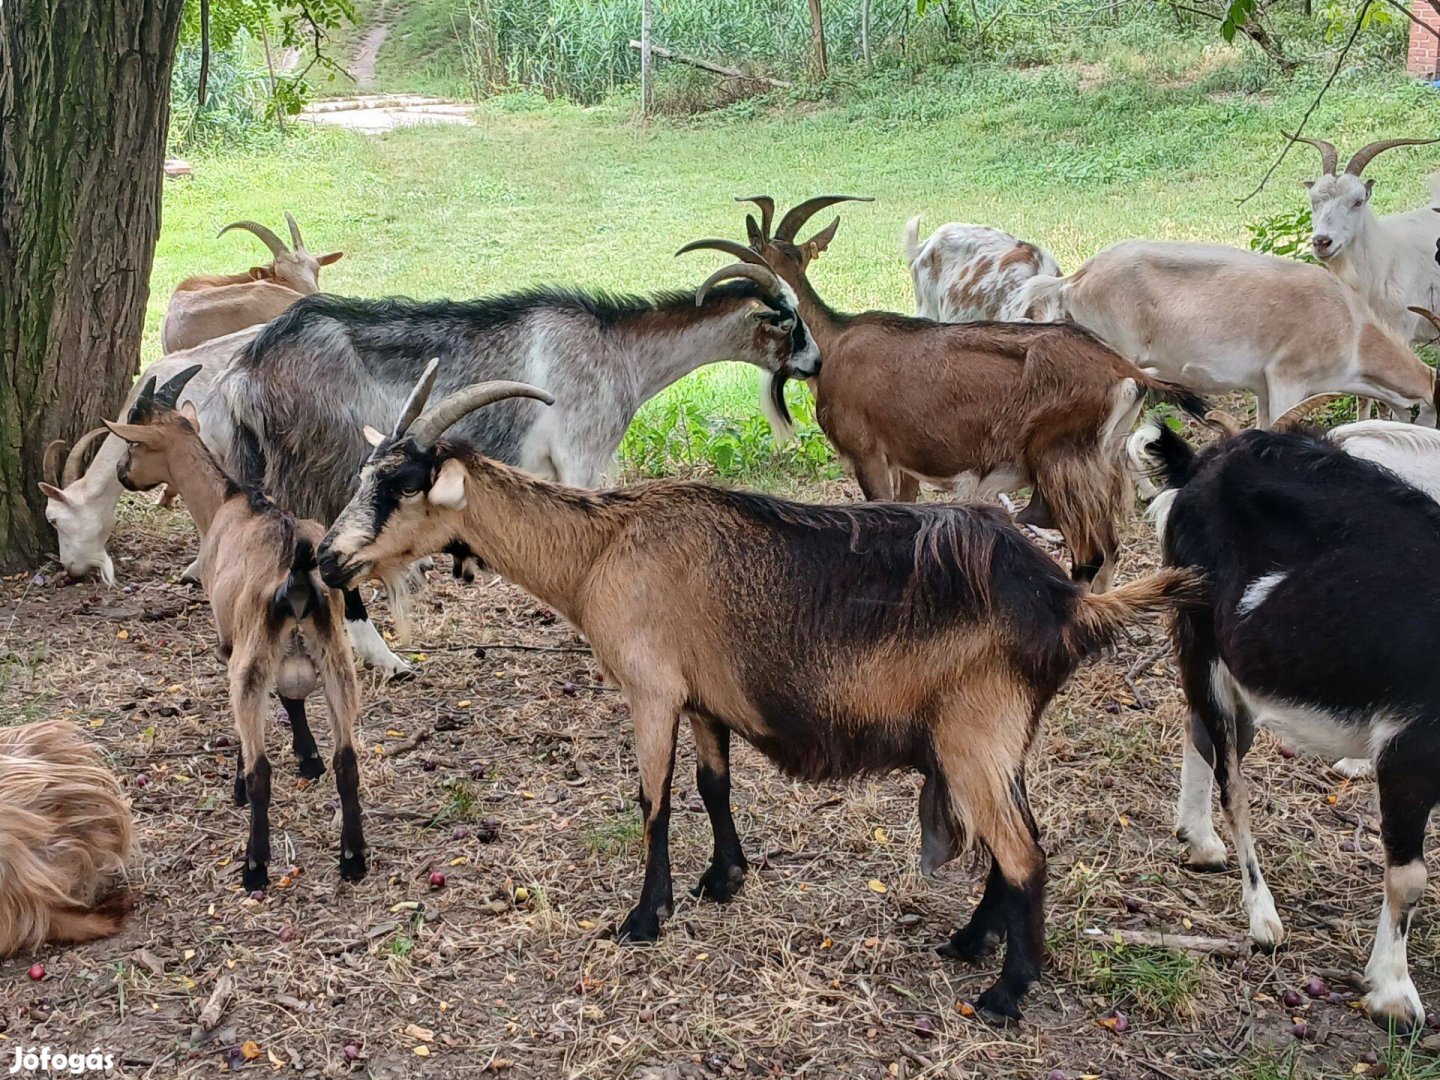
1424,58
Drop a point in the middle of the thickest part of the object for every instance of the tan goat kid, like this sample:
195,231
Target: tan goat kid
279,626
65,835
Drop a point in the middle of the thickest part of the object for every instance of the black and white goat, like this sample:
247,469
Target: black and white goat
1317,626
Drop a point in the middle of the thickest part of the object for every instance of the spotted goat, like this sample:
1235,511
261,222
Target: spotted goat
970,273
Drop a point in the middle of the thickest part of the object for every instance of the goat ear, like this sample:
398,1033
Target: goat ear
52,492
189,412
821,240
260,273
131,433
326,260
448,490
1307,184
752,231
1369,187
373,437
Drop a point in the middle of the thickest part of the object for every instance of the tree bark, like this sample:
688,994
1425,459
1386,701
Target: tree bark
84,103
817,39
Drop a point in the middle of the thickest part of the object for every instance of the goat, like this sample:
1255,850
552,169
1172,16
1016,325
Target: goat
1315,625
1216,318
65,836
303,392
212,305
984,406
836,640
280,627
1390,261
970,273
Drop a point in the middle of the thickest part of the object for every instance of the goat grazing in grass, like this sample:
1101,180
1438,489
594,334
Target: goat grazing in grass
1317,625
306,388
65,835
1217,318
977,408
208,306
1390,261
836,640
280,627
970,273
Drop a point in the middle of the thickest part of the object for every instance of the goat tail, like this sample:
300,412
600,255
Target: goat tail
1040,298
1172,393
1099,618
910,240
246,459
772,404
77,925
302,592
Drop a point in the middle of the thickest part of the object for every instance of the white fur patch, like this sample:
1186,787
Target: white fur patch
1256,592
370,648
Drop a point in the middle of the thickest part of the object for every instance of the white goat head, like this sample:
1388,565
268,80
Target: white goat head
295,269
1340,202
77,508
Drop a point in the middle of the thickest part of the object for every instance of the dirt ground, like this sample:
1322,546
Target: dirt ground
507,765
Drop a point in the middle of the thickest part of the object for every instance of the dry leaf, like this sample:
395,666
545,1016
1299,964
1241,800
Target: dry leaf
585,924
422,1050
122,635
463,704
98,722
394,733
877,886
250,1049
880,836
415,1031
871,942
461,861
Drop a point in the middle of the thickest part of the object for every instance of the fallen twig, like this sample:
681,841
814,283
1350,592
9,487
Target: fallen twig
1233,948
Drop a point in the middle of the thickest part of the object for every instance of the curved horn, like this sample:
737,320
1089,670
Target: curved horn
767,211
1329,156
729,247
1296,415
761,275
295,240
77,455
462,403
415,403
169,394
1366,154
1228,425
144,406
1426,314
798,215
50,464
268,238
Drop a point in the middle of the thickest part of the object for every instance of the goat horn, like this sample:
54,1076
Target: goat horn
269,239
1329,156
144,406
1296,415
463,402
761,275
729,247
1366,154
798,215
169,394
77,455
1426,314
1228,425
767,211
295,240
415,403
50,466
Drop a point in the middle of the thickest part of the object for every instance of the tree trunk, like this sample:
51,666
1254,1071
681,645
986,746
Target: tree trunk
817,39
84,103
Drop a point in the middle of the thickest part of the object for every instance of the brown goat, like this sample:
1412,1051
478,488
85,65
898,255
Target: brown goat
65,835
279,626
208,306
976,407
838,641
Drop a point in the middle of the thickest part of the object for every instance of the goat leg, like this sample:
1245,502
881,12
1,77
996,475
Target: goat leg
307,754
726,873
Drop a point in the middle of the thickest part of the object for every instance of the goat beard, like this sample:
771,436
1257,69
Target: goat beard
777,395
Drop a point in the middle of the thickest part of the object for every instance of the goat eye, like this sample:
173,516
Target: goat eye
409,492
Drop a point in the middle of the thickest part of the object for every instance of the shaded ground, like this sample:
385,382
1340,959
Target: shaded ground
507,765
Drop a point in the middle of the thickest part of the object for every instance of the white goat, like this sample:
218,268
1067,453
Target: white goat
970,273
1218,319
1390,261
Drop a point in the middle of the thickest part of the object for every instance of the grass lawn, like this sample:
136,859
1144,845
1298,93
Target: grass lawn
1156,144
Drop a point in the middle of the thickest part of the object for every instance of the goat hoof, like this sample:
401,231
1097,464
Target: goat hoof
970,946
312,768
639,928
353,868
999,1006
256,880
1396,1006
720,883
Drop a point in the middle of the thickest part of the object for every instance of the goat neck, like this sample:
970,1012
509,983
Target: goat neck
664,344
197,476
540,535
823,321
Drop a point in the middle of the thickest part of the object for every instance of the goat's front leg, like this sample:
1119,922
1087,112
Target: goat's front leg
369,646
249,681
987,927
307,754
726,873
1406,776
875,479
342,694
1193,822
1265,926
655,725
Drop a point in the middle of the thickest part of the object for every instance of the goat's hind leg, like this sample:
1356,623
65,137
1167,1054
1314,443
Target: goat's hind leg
307,754
655,723
1408,776
342,694
1194,823
987,927
726,873
250,679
